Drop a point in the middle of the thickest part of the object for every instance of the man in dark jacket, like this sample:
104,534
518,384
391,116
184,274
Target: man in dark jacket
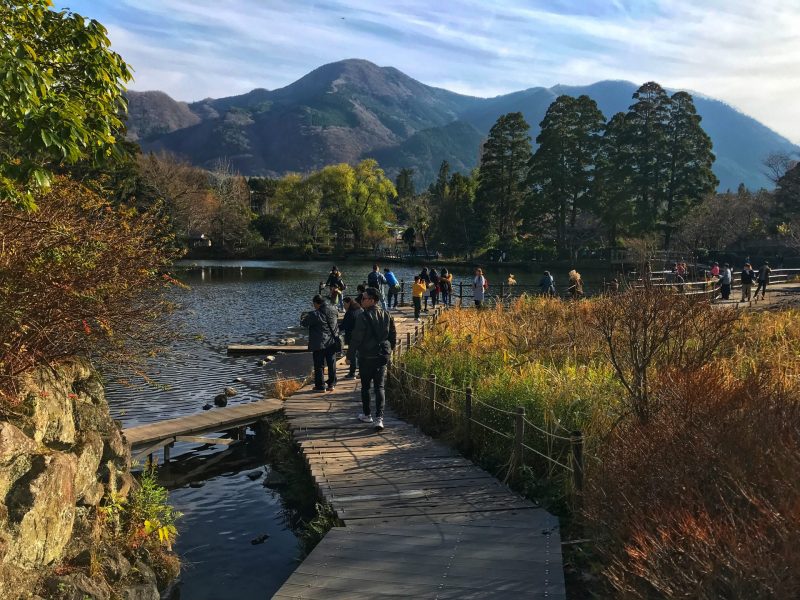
374,338
323,330
378,281
352,310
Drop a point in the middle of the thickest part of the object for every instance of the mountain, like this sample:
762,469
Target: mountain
353,109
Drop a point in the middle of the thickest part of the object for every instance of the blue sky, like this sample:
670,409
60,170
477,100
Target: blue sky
745,53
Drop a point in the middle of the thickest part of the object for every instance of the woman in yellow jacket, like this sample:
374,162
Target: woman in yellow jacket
417,291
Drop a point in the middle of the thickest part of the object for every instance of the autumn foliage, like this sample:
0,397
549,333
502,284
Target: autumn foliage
79,276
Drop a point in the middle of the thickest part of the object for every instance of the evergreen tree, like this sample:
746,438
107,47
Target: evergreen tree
405,183
787,192
438,189
456,226
502,180
612,185
689,166
562,168
647,134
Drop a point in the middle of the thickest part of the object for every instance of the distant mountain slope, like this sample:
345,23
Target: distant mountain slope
348,110
155,113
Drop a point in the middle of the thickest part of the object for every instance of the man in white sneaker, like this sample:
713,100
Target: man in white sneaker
373,338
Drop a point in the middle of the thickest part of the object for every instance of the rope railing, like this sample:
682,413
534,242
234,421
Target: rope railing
428,402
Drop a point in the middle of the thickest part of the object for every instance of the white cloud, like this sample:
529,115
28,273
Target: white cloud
742,52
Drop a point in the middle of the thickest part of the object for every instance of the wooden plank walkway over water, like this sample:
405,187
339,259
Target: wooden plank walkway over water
146,439
420,520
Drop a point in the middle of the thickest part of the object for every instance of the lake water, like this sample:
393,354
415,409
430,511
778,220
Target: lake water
236,302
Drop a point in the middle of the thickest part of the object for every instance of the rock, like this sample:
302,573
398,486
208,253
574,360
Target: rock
207,406
262,363
116,566
282,342
237,379
89,456
229,391
221,400
253,475
275,479
43,506
93,495
270,358
77,586
15,455
196,484
260,539
143,572
142,591
116,448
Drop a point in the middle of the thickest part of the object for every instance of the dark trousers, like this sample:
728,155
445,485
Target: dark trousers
446,297
353,365
434,298
417,306
726,290
393,293
323,358
373,372
762,285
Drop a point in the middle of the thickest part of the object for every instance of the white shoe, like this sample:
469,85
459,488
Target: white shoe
379,424
365,418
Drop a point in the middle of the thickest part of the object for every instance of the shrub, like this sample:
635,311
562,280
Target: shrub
79,276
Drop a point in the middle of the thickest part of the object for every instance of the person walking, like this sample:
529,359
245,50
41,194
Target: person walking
373,340
434,287
748,277
547,284
348,323
333,277
479,286
417,292
446,285
575,288
394,287
763,280
323,333
425,277
335,297
725,281
376,280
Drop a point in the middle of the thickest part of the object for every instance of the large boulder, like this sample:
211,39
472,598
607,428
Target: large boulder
89,455
41,511
16,450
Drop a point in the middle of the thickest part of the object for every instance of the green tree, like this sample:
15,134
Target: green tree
455,224
787,192
439,188
298,202
690,159
613,185
61,95
405,183
646,128
562,168
418,209
502,180
366,207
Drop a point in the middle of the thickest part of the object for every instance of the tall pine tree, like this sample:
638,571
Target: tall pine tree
562,169
613,182
502,180
689,167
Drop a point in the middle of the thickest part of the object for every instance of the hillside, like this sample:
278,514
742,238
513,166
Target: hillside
352,109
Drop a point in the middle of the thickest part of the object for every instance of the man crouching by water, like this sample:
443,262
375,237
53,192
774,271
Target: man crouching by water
323,336
373,338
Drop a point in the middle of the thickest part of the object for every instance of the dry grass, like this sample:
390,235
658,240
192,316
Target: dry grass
698,500
283,388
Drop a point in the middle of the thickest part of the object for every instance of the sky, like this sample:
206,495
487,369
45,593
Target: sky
743,52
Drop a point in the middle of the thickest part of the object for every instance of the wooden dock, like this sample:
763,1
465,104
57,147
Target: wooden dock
144,440
420,520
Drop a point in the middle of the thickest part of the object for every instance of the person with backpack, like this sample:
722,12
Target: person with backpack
348,323
417,292
748,277
763,280
323,341
374,338
547,285
434,287
446,285
394,287
479,286
376,280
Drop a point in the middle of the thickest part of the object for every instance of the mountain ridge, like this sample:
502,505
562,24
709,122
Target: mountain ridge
353,109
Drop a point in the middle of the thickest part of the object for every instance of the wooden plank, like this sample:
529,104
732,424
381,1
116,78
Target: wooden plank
265,349
205,440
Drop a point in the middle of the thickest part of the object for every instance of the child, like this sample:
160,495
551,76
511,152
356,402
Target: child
417,291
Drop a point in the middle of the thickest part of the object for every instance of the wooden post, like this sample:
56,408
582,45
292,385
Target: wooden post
416,333
461,294
408,341
502,290
166,452
402,292
422,329
433,395
468,419
519,433
576,443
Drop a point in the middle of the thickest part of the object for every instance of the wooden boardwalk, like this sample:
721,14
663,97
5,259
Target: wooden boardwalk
146,439
420,520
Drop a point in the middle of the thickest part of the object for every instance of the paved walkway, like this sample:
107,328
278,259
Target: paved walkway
420,520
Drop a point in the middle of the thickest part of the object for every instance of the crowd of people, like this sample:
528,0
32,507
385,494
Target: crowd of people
721,279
